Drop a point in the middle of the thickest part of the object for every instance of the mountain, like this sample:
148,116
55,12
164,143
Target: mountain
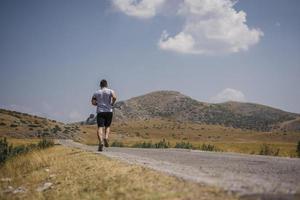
23,125
173,105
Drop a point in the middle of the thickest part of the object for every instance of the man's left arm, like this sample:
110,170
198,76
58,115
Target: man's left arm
94,100
114,97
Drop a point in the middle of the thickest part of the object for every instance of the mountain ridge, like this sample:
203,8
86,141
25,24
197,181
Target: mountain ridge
177,106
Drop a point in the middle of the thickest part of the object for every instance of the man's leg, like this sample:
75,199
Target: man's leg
100,135
100,138
100,123
107,131
108,119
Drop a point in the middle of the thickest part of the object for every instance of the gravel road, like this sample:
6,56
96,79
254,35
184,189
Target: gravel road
250,176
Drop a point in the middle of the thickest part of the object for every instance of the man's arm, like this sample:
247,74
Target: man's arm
94,101
114,98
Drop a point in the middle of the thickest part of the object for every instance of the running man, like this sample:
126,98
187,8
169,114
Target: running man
104,99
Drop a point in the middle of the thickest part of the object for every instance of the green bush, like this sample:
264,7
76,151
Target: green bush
268,150
23,122
33,126
7,150
45,143
117,144
298,149
143,145
184,145
161,144
56,129
208,147
66,131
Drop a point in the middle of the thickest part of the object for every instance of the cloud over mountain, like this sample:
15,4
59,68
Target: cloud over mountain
229,94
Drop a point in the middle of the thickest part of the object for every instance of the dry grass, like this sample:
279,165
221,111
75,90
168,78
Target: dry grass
225,138
76,174
17,142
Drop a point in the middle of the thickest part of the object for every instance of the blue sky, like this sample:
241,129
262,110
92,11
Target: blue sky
54,53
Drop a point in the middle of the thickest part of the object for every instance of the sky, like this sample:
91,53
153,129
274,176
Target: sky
53,53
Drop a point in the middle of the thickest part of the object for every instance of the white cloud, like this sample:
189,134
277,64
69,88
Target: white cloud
229,94
139,8
211,27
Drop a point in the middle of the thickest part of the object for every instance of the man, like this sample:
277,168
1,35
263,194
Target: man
104,99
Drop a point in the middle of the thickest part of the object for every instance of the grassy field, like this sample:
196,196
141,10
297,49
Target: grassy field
224,138
25,126
75,174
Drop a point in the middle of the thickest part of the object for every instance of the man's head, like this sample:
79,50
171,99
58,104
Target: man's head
103,83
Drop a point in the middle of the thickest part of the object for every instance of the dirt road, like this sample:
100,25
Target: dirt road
252,177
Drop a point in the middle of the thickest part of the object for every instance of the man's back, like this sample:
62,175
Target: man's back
104,100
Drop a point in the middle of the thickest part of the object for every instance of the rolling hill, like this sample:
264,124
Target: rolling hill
23,125
172,105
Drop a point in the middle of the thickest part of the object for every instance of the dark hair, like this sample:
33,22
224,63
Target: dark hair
103,83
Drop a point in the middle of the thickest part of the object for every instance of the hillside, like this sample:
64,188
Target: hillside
173,105
23,125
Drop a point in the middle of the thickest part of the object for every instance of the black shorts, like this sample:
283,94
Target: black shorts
104,119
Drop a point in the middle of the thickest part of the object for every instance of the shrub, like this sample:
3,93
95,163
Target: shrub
268,150
161,144
23,122
298,149
143,145
117,144
19,150
2,124
33,126
209,147
13,125
56,129
137,134
66,131
7,151
45,143
184,145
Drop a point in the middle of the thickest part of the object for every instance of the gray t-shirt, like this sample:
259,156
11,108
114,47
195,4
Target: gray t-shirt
104,99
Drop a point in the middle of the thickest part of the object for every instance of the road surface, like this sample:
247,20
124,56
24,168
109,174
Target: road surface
250,176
